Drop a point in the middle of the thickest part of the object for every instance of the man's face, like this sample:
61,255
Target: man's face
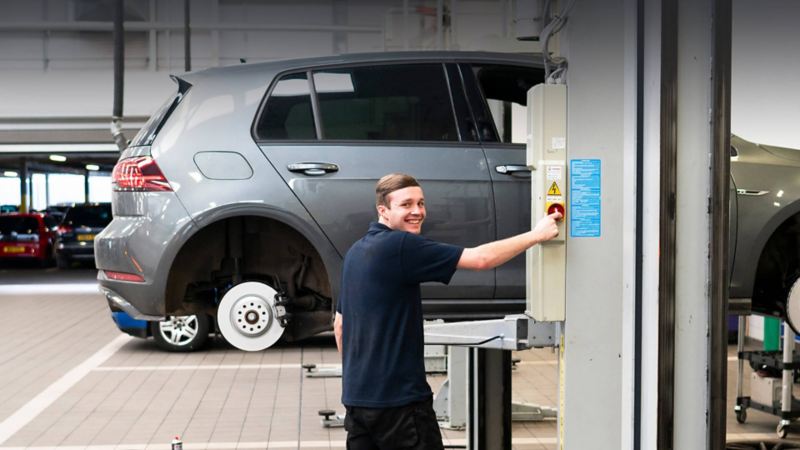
406,210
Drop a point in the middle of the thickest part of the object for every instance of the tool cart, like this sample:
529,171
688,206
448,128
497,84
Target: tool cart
769,394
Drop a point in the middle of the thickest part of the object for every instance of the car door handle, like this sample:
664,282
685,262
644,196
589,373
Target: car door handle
313,168
511,169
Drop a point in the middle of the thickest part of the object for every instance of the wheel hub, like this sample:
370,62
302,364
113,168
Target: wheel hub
251,315
248,316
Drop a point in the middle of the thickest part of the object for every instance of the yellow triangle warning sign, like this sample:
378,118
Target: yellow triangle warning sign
554,190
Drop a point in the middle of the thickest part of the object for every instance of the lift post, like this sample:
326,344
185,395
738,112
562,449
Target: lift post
489,345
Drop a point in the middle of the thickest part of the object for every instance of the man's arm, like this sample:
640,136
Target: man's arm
337,331
488,256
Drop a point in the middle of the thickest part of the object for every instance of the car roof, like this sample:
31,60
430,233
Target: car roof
527,59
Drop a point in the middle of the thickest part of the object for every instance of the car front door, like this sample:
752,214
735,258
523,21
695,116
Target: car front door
371,121
497,95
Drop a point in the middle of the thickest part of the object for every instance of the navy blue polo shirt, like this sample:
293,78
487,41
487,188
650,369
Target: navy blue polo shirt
382,338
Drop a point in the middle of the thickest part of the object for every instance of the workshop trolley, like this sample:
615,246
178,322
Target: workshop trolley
775,399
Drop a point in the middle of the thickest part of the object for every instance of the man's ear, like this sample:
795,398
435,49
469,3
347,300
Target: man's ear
381,210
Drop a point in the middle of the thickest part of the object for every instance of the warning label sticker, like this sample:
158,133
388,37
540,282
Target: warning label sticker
554,190
554,173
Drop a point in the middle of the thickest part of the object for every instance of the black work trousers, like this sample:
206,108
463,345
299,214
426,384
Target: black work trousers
409,427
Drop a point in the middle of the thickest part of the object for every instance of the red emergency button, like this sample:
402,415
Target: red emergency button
556,207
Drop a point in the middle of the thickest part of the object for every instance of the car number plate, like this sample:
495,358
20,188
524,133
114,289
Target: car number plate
14,249
85,237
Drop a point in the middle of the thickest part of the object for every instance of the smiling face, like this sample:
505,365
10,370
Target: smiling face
405,210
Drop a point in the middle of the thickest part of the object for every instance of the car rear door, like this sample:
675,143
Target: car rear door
497,94
371,121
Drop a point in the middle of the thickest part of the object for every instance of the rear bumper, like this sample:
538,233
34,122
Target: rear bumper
30,252
76,250
129,325
117,303
143,245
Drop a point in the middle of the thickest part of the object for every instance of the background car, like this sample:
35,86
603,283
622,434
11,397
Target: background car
57,211
175,333
76,232
27,237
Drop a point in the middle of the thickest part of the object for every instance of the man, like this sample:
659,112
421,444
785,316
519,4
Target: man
378,323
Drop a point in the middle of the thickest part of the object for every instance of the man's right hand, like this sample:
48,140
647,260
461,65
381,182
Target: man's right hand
546,228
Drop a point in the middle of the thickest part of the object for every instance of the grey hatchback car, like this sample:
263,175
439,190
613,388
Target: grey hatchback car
240,196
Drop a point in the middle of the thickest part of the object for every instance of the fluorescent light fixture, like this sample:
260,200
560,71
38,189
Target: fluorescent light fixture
10,173
92,167
58,158
779,194
61,148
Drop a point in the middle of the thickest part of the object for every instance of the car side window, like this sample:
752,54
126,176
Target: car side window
288,113
408,102
504,91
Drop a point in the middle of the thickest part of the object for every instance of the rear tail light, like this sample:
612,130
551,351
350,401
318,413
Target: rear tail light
140,173
122,276
64,229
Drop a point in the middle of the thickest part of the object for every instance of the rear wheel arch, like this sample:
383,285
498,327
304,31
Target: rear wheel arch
778,265
274,244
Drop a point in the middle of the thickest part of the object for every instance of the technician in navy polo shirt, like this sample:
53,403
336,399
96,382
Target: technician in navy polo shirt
378,322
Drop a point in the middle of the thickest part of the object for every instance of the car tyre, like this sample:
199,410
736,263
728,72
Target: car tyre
62,262
181,333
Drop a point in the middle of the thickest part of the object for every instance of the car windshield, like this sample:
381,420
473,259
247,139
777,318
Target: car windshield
19,225
88,216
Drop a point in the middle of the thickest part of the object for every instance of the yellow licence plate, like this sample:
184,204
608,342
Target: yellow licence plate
85,237
14,249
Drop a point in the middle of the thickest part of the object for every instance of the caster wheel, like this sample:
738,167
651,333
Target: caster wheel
741,415
782,430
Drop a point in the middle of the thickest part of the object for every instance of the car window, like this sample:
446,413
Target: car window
409,102
505,91
88,216
147,134
288,113
19,225
50,221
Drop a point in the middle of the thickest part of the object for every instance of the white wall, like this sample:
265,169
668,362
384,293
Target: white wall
765,86
69,73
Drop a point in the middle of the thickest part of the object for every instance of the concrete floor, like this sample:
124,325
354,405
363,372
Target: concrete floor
70,380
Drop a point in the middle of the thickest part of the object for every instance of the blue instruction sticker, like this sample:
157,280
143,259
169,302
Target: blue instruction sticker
584,198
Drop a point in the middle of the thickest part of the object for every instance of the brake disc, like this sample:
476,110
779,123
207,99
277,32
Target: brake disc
248,317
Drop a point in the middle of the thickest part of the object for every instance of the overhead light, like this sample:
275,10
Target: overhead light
10,173
92,167
779,194
58,158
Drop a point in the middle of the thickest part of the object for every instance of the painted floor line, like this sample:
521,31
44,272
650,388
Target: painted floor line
53,289
313,444
209,367
249,445
47,397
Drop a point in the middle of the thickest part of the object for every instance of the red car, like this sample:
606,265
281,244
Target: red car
27,237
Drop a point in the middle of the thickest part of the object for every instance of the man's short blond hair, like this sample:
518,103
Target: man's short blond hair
390,183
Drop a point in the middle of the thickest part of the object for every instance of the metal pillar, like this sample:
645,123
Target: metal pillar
86,186
24,187
489,402
187,37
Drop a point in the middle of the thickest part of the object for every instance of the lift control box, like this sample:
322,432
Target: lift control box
547,158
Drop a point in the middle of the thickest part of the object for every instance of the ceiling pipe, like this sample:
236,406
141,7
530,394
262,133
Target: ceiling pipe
187,38
119,76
